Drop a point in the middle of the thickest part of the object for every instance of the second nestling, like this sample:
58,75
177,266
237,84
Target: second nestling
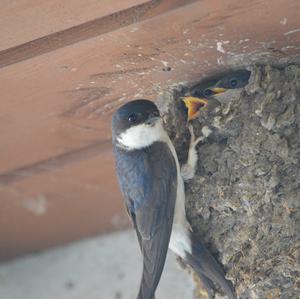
205,93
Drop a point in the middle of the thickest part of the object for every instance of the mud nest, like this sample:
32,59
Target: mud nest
244,200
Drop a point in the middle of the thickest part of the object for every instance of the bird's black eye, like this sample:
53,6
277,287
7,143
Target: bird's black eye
233,83
208,92
132,118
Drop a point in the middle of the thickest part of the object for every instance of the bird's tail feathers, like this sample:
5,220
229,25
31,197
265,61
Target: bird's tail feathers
208,268
153,265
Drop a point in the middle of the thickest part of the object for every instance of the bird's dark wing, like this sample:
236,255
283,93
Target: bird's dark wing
148,180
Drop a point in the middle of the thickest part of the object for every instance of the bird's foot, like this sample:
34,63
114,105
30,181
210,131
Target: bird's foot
193,140
189,168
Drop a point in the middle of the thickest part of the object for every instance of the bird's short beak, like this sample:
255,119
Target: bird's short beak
193,105
218,90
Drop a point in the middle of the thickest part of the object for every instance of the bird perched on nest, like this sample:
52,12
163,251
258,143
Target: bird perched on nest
207,89
152,184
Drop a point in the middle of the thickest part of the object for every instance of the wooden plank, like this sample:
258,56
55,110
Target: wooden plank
60,206
26,20
55,163
88,30
55,109
61,101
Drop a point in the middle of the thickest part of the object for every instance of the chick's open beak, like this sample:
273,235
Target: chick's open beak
193,105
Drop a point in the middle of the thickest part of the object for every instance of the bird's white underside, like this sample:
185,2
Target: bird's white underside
142,136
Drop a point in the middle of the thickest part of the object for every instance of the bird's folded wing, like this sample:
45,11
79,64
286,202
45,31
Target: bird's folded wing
152,211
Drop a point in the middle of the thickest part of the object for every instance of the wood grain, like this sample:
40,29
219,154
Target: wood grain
57,100
96,27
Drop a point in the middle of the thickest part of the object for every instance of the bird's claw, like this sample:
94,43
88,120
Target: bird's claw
194,141
189,168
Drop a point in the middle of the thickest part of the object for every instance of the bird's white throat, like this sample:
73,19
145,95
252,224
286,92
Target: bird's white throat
142,135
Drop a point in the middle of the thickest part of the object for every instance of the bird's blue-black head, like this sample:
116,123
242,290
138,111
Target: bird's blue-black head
134,114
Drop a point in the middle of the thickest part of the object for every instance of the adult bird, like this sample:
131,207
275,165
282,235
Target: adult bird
153,190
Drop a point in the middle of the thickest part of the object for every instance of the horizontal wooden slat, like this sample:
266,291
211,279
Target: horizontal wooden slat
61,101
87,30
54,163
26,20
55,108
60,206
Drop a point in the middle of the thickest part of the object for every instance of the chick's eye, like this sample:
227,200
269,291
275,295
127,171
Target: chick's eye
208,92
233,82
132,118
